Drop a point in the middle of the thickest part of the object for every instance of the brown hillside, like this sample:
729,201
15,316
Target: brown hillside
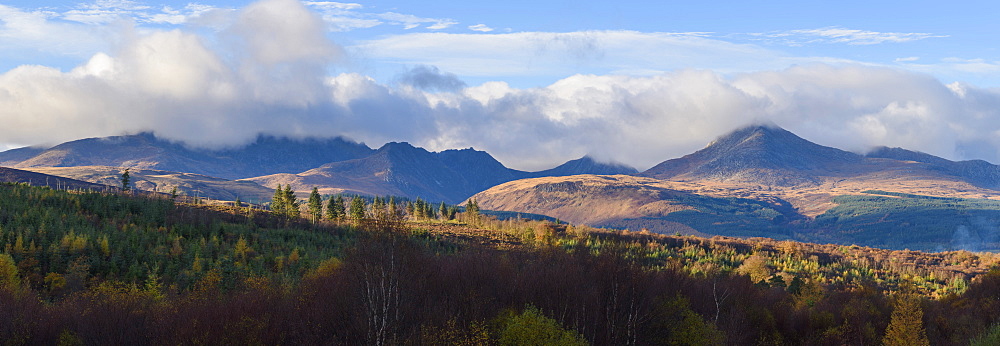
188,184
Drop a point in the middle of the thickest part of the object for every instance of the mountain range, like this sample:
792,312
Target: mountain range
766,181
333,165
755,181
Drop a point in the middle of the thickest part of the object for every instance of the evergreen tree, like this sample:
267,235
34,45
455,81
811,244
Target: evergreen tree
278,201
291,202
335,209
410,209
357,211
418,208
238,203
443,210
315,205
378,207
392,208
472,210
126,178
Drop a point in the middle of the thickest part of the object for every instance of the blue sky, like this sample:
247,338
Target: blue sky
947,40
533,82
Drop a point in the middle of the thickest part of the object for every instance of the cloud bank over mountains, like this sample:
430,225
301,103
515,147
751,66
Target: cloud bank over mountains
272,69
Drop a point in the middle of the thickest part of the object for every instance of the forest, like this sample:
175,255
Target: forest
81,268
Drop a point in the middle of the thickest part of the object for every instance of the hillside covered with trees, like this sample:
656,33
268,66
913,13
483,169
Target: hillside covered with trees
123,268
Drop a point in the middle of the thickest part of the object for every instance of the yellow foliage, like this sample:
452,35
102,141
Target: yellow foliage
8,273
325,268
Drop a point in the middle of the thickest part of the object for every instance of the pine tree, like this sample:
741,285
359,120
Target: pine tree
315,205
278,201
392,208
443,210
472,210
291,202
335,209
418,208
238,203
357,211
126,180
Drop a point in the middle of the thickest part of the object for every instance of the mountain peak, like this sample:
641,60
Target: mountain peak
765,154
587,165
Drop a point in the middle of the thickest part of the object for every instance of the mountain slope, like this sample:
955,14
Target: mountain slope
267,155
765,181
10,175
977,172
758,154
187,184
395,169
15,156
401,169
585,165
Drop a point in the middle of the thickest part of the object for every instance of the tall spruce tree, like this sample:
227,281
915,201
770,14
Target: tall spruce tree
291,202
278,201
315,205
126,181
335,209
357,211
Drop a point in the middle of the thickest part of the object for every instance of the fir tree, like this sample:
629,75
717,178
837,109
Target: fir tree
278,201
291,202
443,210
315,205
126,178
335,209
357,211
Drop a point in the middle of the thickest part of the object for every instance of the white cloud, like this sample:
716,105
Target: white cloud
22,30
907,59
841,35
349,16
409,21
562,54
480,28
329,5
268,72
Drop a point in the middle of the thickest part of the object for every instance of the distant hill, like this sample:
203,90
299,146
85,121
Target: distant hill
977,172
266,155
10,175
401,169
334,165
585,165
15,156
766,181
187,184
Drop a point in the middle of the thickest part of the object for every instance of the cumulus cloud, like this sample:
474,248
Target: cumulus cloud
430,78
268,72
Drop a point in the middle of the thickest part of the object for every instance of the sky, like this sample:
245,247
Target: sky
533,83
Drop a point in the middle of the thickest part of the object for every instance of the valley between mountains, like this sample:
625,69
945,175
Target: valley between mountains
757,181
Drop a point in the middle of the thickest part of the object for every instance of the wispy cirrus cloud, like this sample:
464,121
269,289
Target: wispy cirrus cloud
562,54
839,35
480,28
352,16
